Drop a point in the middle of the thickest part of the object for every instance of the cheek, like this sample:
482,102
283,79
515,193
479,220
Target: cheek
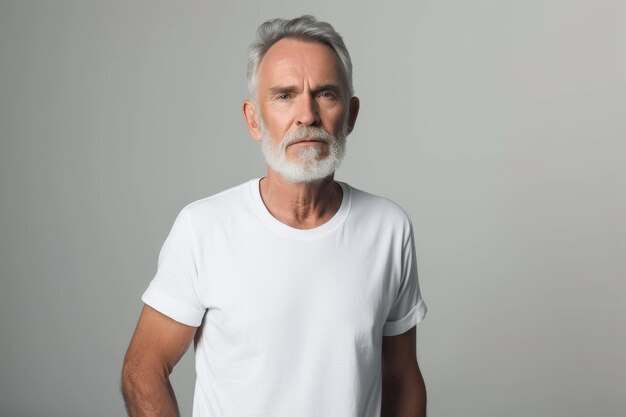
278,118
275,126
336,121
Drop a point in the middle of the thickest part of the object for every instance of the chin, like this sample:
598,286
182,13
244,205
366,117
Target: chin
299,174
310,165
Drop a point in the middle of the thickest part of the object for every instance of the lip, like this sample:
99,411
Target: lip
308,141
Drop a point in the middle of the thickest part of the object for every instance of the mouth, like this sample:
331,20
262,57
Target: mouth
307,141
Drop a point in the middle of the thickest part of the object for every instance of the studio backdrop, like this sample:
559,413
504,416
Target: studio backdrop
499,126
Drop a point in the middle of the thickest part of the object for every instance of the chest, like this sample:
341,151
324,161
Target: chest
263,287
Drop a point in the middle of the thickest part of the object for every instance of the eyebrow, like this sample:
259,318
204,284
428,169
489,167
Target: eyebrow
289,89
282,90
329,86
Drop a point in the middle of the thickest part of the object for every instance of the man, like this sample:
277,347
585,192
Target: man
300,292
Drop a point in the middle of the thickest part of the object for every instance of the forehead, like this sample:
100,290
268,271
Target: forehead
290,61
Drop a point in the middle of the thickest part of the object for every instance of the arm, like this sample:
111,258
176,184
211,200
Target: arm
403,389
156,346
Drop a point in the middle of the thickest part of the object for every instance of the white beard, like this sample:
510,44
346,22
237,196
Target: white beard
310,165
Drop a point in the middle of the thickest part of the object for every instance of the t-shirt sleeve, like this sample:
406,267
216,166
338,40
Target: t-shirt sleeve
174,289
408,308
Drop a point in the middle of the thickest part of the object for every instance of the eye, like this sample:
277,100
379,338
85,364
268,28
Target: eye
283,96
328,94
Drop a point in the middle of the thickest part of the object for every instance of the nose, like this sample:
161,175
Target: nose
307,111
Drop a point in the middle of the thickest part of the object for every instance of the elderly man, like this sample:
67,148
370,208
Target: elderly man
300,292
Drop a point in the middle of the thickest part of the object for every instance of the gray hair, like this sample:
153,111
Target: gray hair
305,27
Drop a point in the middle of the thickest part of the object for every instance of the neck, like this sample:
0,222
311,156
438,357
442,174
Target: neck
301,205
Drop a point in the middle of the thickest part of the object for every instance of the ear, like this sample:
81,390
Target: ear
353,112
250,116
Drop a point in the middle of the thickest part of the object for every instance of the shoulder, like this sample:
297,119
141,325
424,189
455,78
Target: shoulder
222,199
220,206
365,202
379,213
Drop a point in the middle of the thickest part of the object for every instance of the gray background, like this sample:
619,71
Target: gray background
498,125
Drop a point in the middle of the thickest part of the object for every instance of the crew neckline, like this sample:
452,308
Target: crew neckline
301,234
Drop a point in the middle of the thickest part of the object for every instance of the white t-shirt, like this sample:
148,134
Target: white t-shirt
291,320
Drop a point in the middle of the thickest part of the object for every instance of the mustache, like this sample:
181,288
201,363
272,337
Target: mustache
307,133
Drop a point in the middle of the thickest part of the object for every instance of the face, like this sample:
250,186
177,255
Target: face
302,114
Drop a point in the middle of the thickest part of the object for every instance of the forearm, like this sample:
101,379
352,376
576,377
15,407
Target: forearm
404,398
148,394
